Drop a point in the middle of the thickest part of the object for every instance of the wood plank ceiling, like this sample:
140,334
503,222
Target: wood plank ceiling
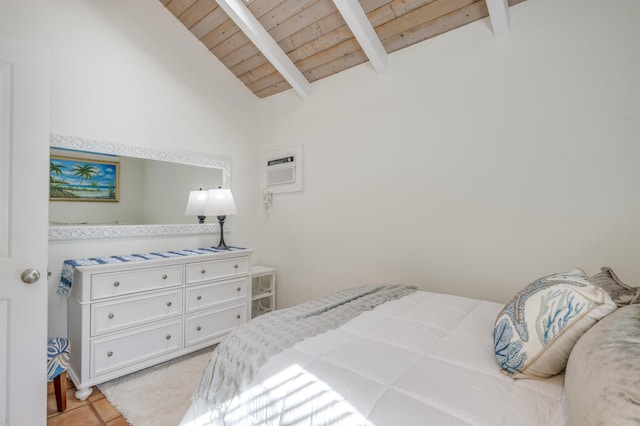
314,35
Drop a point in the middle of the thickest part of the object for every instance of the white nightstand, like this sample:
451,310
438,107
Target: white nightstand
263,290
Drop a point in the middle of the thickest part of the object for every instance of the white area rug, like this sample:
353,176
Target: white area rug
159,395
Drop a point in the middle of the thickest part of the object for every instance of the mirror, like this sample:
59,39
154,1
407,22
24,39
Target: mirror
153,187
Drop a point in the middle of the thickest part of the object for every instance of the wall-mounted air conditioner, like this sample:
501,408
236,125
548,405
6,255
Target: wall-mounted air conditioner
282,170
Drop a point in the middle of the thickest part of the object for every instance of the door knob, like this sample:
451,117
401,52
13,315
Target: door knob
30,276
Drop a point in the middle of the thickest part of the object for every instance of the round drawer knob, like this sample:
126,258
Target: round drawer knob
238,316
203,271
239,289
168,337
164,277
110,316
116,284
168,303
109,354
198,328
199,298
235,266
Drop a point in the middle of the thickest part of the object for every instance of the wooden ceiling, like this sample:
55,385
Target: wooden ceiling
314,34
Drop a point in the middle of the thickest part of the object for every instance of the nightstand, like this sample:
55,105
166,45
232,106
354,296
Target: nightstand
263,290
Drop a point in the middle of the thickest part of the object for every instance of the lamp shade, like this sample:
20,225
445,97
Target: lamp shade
197,203
220,203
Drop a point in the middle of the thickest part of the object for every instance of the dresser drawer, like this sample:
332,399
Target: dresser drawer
135,281
136,310
208,295
201,327
215,269
112,353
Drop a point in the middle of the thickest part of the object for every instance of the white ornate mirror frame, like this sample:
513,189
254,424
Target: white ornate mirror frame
84,232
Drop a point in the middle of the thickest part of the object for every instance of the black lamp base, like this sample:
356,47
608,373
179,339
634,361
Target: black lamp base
221,244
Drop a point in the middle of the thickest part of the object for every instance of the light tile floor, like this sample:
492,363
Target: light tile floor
95,410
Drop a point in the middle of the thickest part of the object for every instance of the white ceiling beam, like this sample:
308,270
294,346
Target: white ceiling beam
499,15
248,23
362,29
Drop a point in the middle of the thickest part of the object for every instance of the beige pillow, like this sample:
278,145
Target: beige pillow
535,332
621,293
602,381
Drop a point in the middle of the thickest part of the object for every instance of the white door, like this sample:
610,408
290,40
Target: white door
24,150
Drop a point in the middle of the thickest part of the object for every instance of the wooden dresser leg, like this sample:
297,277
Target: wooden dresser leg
60,388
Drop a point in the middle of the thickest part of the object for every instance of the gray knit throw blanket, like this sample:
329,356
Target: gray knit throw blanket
235,361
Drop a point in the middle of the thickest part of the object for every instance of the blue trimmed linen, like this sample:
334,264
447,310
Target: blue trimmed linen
69,265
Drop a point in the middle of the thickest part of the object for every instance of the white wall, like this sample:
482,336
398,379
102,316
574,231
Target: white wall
473,166
128,72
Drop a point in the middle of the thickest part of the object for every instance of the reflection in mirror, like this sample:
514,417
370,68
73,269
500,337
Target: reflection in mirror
153,185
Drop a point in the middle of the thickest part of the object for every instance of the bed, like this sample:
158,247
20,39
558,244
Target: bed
420,358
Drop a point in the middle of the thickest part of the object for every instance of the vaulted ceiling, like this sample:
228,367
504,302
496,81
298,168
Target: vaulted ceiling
276,45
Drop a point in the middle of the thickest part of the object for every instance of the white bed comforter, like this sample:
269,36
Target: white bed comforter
425,359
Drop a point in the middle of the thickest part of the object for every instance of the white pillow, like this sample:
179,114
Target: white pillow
535,332
602,381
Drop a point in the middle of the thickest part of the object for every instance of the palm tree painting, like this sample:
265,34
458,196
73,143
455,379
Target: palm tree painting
76,179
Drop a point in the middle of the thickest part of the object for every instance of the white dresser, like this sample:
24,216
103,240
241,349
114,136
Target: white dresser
124,317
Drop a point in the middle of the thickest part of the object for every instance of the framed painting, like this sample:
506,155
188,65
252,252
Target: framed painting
81,179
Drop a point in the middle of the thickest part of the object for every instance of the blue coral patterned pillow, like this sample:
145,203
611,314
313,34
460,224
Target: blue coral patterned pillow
535,332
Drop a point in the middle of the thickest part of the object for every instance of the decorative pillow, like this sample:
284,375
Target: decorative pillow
602,380
535,332
621,293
